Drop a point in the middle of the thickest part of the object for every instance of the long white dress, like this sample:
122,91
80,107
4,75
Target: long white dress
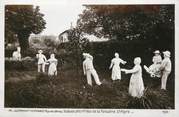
136,85
116,70
52,70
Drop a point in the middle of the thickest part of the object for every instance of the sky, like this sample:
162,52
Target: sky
59,17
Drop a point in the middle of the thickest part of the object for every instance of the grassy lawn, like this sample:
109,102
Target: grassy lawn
25,88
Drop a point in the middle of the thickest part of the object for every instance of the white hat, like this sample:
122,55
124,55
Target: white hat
167,53
157,52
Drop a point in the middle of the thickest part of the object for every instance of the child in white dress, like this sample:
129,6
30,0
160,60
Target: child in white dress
136,85
52,70
41,61
115,65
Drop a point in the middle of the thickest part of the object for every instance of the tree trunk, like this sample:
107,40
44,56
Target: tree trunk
23,42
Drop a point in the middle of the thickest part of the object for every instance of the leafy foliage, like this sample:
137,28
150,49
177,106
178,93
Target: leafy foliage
76,46
129,22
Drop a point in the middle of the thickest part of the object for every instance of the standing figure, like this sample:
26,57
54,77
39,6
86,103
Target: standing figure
153,70
165,68
52,70
115,65
17,54
41,61
89,70
136,85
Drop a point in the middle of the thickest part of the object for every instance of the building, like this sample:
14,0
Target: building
63,37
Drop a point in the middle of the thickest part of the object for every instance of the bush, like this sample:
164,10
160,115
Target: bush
27,63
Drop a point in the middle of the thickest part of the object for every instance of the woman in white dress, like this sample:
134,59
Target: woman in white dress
52,70
115,65
136,85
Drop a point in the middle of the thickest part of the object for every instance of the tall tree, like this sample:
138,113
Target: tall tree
76,45
22,20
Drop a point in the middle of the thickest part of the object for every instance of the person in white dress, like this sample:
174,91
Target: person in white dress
136,85
153,69
115,65
165,68
41,61
17,54
52,70
89,69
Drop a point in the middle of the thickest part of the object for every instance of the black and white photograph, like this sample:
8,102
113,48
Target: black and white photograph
89,56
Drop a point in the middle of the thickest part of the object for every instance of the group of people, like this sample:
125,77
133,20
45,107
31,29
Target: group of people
159,68
136,86
42,62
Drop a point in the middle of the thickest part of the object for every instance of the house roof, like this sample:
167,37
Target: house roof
66,31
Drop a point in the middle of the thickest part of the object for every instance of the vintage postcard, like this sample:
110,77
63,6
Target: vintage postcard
89,58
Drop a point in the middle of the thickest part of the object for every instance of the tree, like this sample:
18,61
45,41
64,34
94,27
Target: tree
75,47
22,20
129,22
